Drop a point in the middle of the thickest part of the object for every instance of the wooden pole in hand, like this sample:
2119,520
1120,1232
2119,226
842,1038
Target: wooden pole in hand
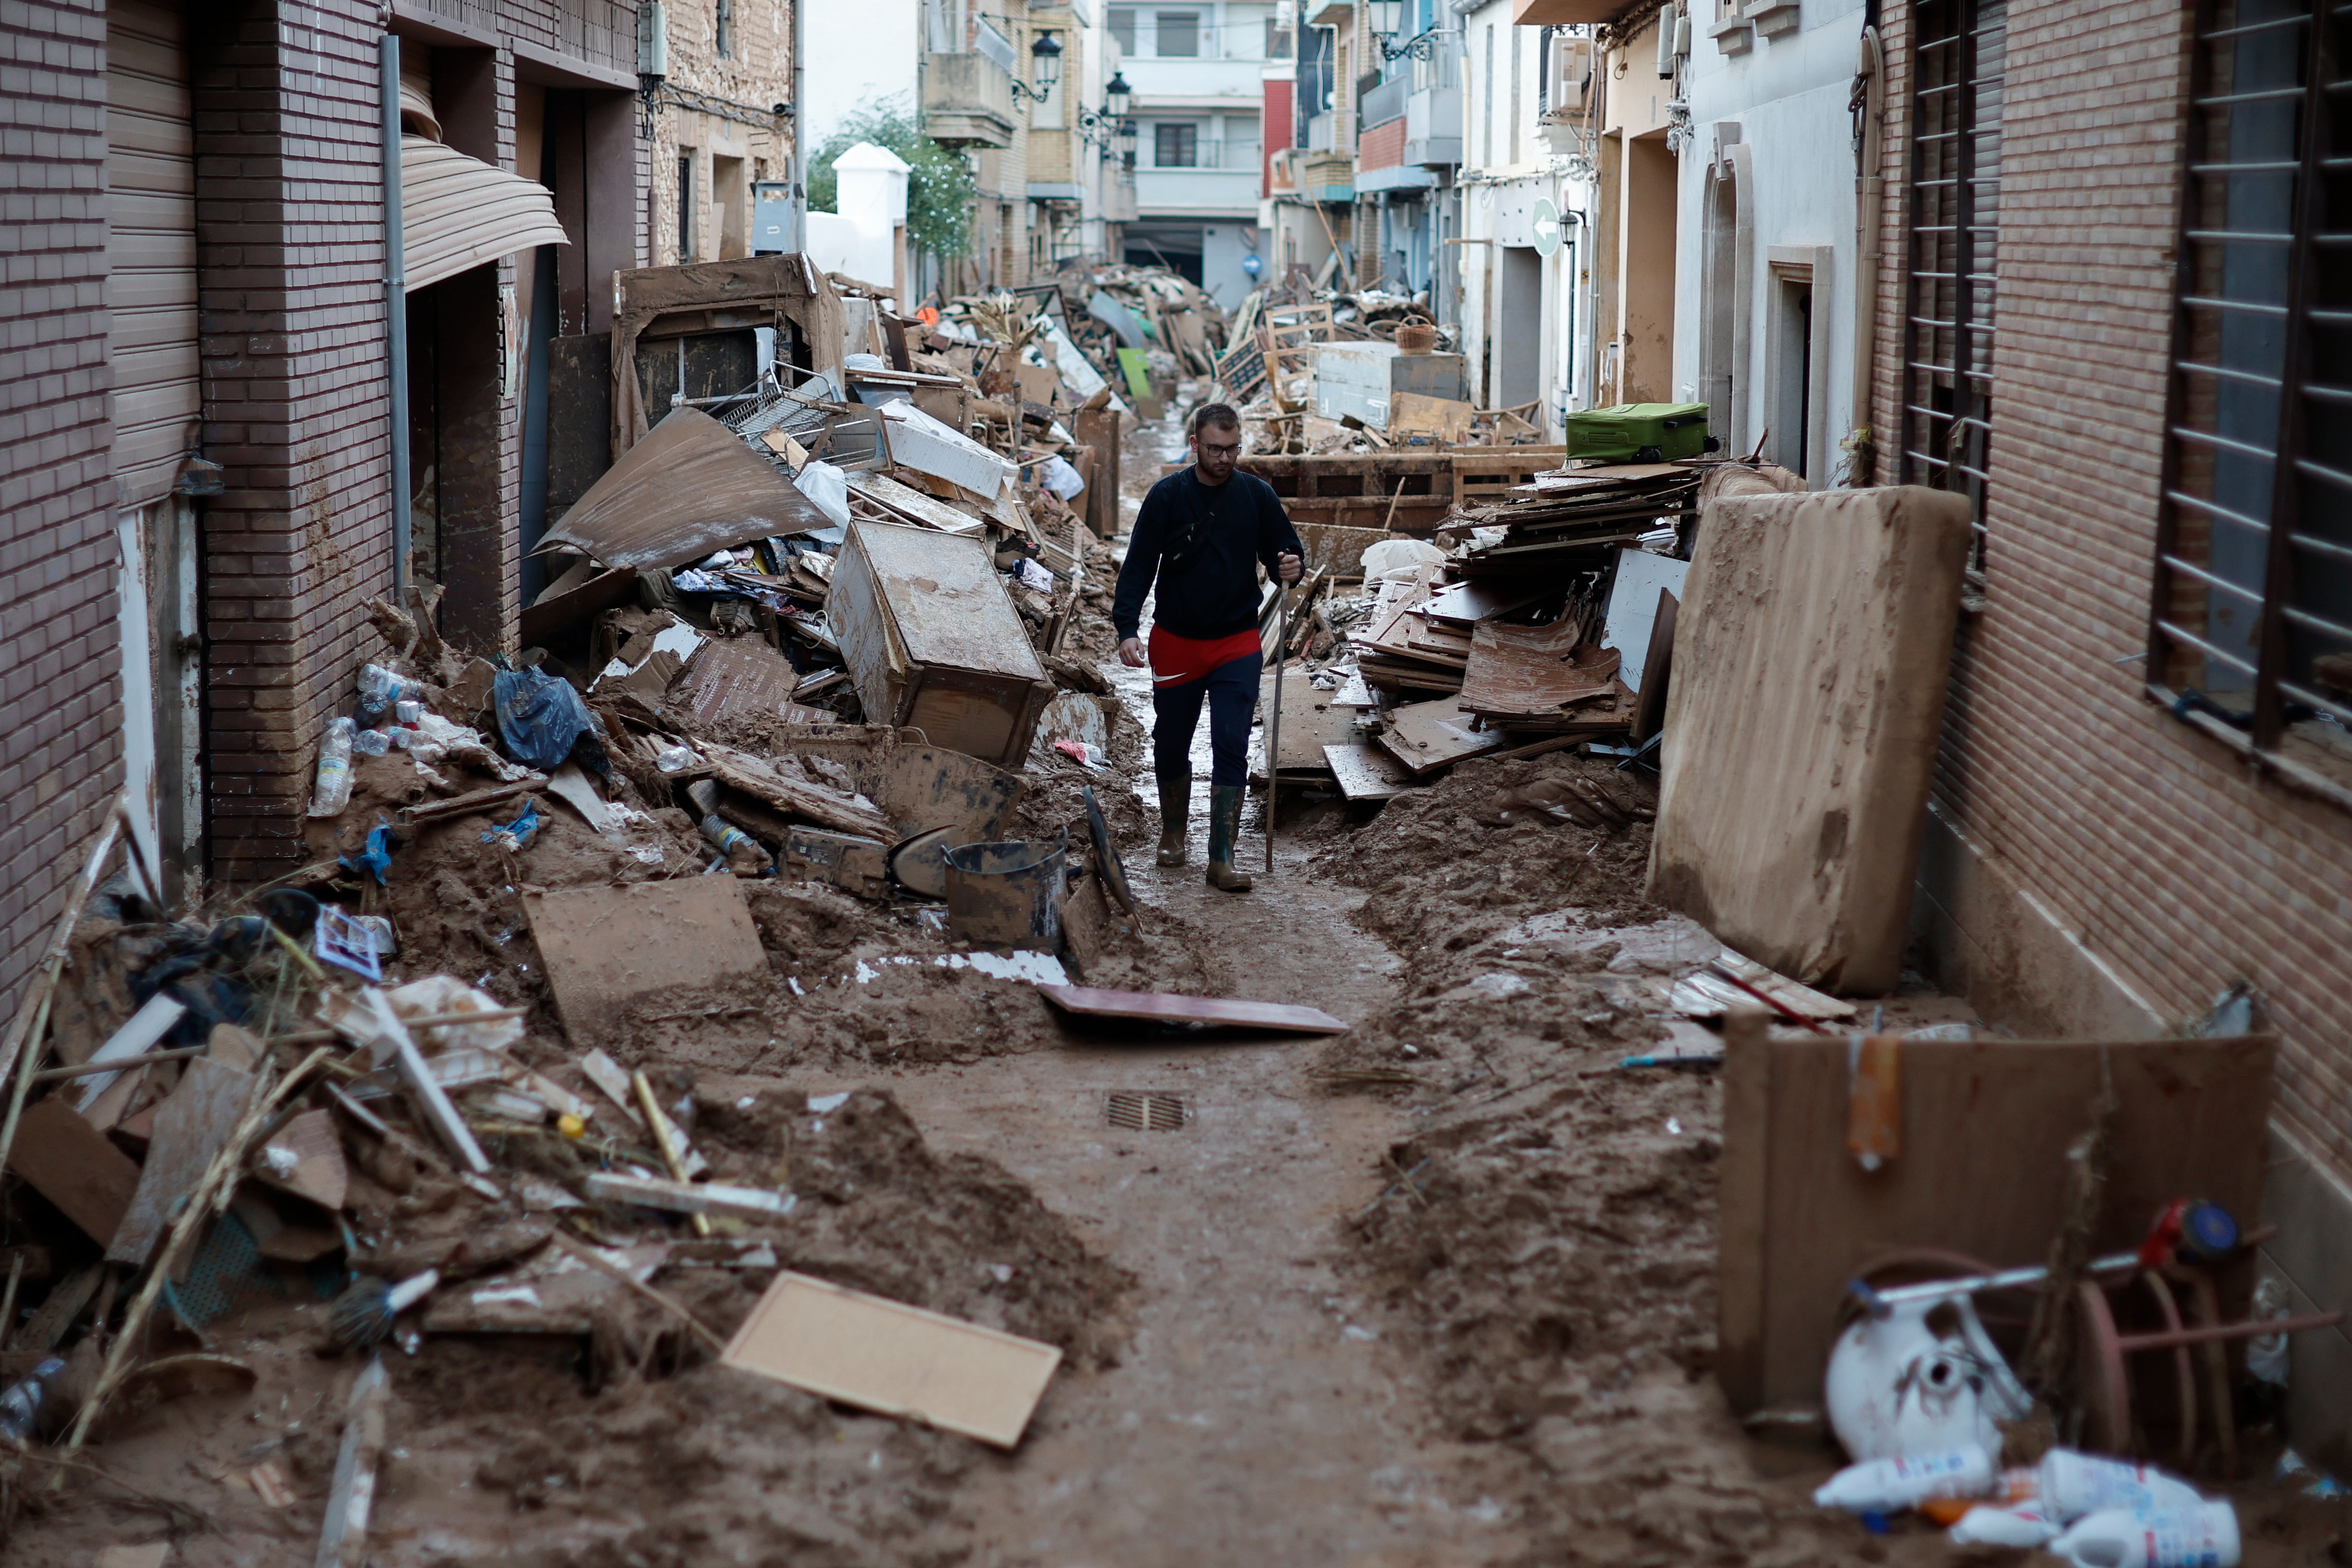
1274,726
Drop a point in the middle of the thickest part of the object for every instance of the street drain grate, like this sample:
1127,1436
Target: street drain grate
1143,1110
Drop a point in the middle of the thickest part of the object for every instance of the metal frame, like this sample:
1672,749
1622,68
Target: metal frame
2259,733
1971,404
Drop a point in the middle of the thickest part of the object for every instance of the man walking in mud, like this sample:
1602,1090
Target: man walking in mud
1199,538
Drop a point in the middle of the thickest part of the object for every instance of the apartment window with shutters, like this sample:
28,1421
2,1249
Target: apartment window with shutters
2250,632
1176,146
685,203
1179,34
1944,423
726,29
1122,30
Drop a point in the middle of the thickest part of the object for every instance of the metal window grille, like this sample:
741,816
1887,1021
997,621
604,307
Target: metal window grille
1946,422
2250,632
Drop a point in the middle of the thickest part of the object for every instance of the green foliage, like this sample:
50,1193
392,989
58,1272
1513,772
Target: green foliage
940,189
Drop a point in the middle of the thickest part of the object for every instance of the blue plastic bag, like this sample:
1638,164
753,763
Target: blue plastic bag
540,719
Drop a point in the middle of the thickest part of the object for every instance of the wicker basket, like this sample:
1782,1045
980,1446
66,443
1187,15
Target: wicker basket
1416,337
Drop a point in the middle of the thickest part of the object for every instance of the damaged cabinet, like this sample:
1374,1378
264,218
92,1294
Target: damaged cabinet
934,642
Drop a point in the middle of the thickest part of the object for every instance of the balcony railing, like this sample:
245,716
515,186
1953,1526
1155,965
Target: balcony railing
1383,103
967,100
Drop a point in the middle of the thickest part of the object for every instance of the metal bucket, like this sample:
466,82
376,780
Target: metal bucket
1007,894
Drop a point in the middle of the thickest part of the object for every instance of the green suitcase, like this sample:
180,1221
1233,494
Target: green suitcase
1639,432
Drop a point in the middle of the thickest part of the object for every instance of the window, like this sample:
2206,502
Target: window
1122,30
1946,415
1175,145
685,203
726,29
2251,627
1179,34
1277,39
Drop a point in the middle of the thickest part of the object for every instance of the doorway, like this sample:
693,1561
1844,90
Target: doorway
1518,336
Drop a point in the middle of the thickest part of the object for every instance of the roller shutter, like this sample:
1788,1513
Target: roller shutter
151,245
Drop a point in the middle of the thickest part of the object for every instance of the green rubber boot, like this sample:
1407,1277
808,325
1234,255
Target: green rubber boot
1225,827
1175,816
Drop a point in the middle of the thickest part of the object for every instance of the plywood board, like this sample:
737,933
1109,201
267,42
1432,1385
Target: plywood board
728,676
75,1166
1173,1007
190,1128
897,1360
1633,610
1981,1171
606,947
1310,719
1812,648
1426,736
1368,772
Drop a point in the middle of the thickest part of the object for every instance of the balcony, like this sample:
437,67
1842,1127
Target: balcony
1433,126
1197,193
967,100
1383,103
1193,81
1326,175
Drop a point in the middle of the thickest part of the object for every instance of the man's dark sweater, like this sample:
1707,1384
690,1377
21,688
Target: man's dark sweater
1199,541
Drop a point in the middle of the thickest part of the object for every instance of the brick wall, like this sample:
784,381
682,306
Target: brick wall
290,246
2173,865
1382,146
60,718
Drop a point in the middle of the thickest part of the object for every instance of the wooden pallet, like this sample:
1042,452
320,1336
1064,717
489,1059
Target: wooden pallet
1487,473
1408,492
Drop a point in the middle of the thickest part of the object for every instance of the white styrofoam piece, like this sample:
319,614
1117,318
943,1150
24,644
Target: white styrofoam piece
1633,607
920,442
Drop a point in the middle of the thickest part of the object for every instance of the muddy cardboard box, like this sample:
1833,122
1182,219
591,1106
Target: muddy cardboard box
934,642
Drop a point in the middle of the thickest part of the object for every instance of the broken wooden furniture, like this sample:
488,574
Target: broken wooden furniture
689,331
932,641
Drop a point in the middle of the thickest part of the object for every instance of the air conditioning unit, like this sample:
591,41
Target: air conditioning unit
1569,79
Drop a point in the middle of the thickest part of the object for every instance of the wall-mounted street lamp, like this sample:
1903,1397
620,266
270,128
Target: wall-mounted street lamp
1045,70
1101,126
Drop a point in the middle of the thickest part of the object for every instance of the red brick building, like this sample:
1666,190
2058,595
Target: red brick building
2143,797
196,487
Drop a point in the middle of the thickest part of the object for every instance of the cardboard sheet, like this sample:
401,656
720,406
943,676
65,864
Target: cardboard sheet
190,1128
1812,648
897,1360
606,947
75,1166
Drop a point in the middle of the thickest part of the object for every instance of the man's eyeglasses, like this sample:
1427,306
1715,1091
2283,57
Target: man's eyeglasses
1208,448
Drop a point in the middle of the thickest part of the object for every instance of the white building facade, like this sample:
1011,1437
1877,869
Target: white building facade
1198,74
1769,257
1526,194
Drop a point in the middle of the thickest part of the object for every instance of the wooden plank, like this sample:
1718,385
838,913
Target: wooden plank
1310,719
1426,736
75,1166
1368,772
190,1129
1171,1008
606,948
886,1356
1982,1171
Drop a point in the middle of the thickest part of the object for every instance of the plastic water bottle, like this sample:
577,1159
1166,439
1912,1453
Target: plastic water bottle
2204,1536
20,1404
1889,1486
2020,1525
334,787
2074,1484
371,743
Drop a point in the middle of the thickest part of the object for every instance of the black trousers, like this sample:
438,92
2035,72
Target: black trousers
1230,693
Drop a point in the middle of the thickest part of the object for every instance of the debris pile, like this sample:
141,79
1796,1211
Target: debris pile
1525,612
